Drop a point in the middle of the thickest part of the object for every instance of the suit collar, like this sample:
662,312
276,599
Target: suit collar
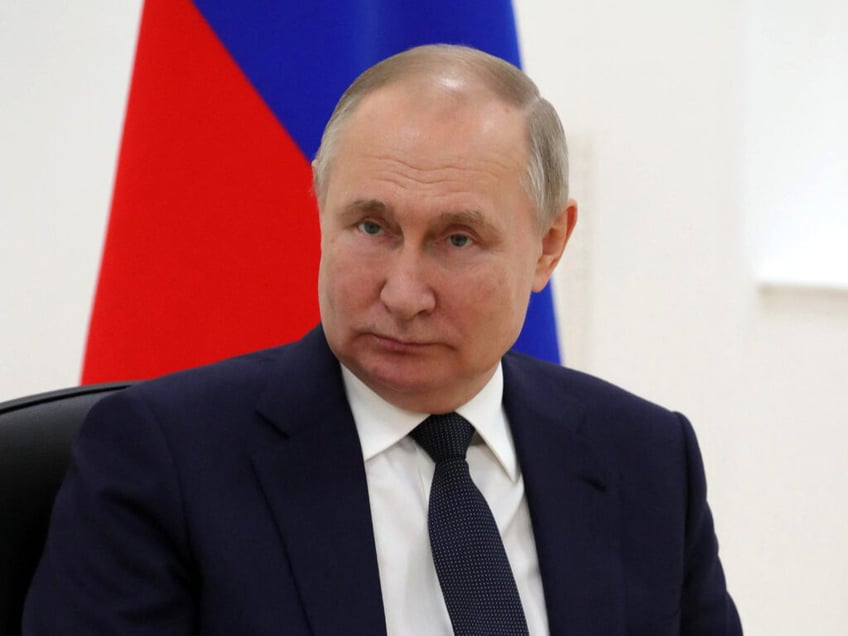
570,492
381,425
314,483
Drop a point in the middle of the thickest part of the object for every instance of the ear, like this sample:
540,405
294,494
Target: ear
554,241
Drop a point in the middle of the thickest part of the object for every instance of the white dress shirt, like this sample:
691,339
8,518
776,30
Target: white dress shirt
399,474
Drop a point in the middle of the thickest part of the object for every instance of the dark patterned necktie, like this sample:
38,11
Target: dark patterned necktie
468,553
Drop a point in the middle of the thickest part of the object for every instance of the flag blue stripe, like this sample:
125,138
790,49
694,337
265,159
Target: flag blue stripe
300,56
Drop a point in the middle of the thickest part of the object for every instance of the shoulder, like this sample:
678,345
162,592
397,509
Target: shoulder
629,431
228,388
648,459
600,402
179,413
219,401
230,384
215,383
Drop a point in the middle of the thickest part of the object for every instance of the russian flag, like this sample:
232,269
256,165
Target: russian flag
212,241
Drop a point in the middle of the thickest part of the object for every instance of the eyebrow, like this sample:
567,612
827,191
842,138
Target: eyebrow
473,218
465,217
359,205
367,206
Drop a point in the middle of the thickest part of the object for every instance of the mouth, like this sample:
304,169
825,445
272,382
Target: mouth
399,345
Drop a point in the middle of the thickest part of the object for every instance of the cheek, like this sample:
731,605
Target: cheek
501,296
506,279
346,285
491,297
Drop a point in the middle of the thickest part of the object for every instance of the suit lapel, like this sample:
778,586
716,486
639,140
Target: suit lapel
572,498
314,482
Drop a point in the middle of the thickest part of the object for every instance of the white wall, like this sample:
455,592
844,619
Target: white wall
64,73
664,298
796,140
657,291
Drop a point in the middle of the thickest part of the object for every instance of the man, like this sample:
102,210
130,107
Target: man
288,491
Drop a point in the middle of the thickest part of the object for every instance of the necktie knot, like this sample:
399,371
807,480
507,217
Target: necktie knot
444,436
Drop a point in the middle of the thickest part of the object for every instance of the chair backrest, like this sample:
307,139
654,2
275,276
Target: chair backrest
35,446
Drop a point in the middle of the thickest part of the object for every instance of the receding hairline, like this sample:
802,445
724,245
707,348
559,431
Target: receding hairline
476,71
473,68
435,61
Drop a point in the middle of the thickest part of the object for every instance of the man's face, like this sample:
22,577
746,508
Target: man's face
430,245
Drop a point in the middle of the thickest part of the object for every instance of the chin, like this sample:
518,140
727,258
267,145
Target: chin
403,389
403,383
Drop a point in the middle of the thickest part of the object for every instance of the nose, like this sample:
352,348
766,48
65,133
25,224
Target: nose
407,291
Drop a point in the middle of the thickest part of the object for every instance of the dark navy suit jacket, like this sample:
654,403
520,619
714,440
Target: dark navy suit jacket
231,499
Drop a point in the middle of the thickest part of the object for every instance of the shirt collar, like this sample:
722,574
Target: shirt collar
381,425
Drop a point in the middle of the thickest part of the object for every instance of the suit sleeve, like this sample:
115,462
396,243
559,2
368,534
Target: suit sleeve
706,607
116,559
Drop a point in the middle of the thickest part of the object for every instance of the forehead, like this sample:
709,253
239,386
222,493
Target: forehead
447,105
434,131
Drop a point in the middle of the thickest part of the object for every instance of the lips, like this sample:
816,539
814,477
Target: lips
399,345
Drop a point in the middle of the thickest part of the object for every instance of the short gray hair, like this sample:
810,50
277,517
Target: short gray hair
546,178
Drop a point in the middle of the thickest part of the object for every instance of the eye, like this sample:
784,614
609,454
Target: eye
459,240
370,228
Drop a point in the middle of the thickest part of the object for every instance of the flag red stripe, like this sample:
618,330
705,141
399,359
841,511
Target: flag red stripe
212,242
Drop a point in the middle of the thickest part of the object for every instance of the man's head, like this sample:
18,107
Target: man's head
442,187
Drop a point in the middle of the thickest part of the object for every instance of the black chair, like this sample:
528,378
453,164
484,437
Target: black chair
35,445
